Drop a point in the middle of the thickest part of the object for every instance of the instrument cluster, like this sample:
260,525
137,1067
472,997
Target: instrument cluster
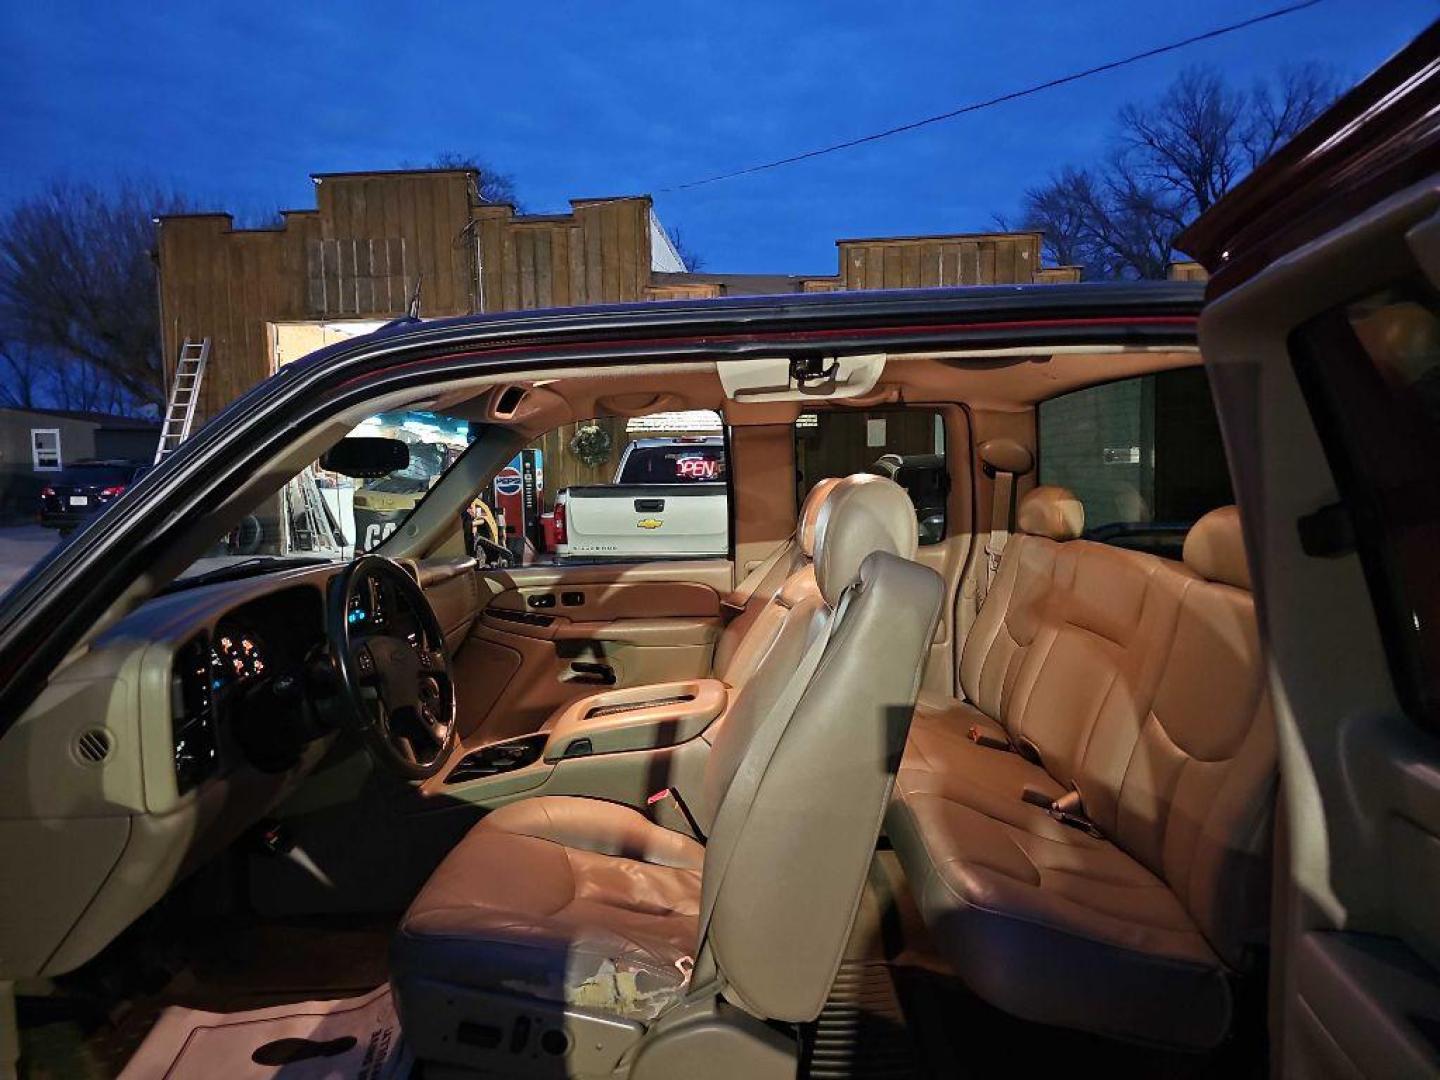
236,656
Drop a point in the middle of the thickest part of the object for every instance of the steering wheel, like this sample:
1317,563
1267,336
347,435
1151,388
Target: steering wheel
389,652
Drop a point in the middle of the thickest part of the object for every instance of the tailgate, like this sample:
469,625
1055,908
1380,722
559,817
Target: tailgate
645,519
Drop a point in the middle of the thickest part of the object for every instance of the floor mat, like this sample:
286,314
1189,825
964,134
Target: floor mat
351,1039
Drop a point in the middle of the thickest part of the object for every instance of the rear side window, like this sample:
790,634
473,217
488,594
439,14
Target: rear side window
620,489
1143,455
905,445
1371,376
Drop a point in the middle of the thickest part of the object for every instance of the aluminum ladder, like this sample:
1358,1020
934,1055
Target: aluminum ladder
184,396
310,523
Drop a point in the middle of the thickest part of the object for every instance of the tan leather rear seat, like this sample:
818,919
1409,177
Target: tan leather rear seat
1137,682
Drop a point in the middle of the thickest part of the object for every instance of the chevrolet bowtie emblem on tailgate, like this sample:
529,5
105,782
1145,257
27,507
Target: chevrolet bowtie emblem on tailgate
649,523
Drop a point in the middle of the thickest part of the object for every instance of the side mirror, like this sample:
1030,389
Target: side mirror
366,457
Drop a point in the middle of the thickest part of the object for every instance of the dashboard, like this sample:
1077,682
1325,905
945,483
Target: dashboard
243,691
172,733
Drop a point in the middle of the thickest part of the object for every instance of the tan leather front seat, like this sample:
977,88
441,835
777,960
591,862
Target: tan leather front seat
748,636
584,915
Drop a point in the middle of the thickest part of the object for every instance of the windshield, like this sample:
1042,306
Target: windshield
321,514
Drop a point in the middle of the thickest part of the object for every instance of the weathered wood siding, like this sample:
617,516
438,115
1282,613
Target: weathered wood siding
917,262
1187,271
372,236
597,254
360,252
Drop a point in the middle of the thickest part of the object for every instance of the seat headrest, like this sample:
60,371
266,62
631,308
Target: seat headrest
1215,548
810,514
862,513
1007,455
1051,511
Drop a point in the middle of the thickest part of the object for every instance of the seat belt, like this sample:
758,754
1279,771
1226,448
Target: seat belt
735,602
740,795
1001,518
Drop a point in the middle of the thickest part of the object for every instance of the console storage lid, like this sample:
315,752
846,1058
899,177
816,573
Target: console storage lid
636,718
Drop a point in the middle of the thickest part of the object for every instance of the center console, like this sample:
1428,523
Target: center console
637,718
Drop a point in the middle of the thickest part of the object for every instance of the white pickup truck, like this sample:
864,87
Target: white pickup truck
669,499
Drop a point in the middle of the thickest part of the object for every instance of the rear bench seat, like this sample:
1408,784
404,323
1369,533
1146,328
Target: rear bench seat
1134,684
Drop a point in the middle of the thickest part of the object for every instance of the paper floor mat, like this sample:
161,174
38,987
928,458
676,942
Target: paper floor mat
352,1039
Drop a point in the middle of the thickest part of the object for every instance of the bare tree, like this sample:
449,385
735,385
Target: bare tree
77,283
692,258
1190,140
493,185
1171,161
1278,110
23,376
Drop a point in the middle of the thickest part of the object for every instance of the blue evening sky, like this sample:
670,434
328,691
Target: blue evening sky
238,103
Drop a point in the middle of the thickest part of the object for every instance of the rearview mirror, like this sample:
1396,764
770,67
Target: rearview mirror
366,457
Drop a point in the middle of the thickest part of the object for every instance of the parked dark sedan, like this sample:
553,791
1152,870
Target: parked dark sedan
84,488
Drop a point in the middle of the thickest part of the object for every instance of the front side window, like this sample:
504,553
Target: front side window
620,489
1371,375
1143,455
905,445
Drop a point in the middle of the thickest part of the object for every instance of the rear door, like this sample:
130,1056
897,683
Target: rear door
1323,343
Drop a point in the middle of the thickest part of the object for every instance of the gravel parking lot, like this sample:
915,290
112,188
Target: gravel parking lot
21,547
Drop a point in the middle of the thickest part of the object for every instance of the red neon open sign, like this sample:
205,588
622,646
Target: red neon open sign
697,468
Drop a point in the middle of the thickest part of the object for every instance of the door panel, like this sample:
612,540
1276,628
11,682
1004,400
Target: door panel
547,635
1334,459
602,602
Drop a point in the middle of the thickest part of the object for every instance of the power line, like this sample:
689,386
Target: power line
1013,95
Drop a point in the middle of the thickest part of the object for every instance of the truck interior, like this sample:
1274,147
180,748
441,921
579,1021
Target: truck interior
1067,692
1086,792
840,803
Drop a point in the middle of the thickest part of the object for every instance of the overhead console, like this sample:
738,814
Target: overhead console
809,378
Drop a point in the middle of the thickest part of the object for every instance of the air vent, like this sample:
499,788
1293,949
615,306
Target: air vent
94,745
508,401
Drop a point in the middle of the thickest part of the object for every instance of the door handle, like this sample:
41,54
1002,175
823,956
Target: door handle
649,506
586,672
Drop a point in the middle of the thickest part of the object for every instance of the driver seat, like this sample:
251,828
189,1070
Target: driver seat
572,936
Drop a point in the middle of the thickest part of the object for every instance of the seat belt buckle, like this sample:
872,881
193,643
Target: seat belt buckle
673,795
1069,811
984,738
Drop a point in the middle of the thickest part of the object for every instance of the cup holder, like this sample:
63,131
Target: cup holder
499,758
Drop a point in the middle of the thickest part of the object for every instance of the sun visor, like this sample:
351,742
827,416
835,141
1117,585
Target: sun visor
783,378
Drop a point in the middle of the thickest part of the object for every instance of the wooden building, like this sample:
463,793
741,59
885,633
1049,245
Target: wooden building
263,296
